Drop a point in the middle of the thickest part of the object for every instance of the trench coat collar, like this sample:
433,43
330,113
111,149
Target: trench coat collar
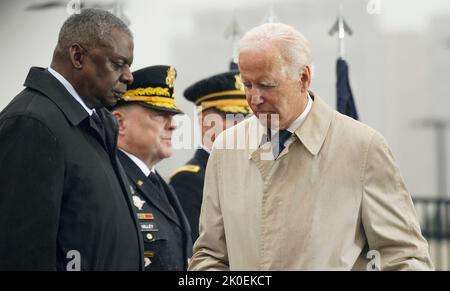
313,131
42,80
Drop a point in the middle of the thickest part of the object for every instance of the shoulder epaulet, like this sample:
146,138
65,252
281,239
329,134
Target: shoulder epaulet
187,168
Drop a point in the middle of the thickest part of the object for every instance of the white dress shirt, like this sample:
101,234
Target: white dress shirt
141,165
71,90
297,122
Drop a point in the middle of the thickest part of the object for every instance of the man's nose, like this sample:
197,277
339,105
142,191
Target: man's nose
127,76
255,97
171,125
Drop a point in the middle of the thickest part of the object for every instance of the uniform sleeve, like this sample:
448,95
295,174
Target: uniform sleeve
31,182
210,250
388,213
189,189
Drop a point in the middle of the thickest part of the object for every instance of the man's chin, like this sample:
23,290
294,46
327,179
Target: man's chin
167,147
167,154
110,101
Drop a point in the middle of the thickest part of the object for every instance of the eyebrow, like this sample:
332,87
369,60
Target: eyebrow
122,58
261,82
268,82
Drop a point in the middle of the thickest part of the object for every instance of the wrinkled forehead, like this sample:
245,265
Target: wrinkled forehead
261,62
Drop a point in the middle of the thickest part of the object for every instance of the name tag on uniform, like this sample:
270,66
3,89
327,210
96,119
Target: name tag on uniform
148,226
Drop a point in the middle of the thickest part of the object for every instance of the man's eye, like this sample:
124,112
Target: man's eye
119,64
267,86
247,85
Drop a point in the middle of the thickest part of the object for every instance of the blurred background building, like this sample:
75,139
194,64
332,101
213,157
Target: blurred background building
399,58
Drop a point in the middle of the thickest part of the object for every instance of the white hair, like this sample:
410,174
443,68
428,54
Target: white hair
293,47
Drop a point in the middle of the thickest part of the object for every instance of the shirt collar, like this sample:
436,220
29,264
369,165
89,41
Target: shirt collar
71,90
141,165
299,121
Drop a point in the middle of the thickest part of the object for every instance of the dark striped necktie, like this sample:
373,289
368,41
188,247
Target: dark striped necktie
281,136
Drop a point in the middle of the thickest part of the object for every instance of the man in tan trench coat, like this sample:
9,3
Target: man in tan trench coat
300,186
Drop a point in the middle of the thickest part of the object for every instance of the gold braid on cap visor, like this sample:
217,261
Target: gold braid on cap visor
151,96
227,105
218,94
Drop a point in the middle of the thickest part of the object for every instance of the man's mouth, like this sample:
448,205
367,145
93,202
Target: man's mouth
118,93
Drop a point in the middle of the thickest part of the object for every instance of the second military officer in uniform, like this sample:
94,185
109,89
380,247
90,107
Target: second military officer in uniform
145,116
220,101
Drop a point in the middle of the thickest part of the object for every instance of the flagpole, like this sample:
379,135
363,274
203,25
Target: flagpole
345,102
341,28
234,32
341,34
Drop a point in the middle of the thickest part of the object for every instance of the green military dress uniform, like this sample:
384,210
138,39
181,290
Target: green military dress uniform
163,225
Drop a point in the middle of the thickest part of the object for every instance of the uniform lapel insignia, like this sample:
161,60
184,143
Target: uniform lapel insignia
138,202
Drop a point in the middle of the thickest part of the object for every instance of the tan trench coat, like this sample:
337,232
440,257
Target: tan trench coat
331,196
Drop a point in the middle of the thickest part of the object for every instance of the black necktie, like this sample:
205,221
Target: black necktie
155,180
98,125
161,193
282,136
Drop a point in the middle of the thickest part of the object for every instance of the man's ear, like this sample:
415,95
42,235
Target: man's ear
120,117
77,55
305,79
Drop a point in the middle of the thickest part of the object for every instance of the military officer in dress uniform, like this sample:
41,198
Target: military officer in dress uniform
220,101
145,116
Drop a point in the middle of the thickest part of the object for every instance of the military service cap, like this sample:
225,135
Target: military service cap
223,92
153,87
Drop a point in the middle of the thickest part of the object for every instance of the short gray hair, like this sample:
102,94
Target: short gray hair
293,46
89,28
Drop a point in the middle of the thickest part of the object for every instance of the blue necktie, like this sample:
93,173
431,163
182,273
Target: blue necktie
282,136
